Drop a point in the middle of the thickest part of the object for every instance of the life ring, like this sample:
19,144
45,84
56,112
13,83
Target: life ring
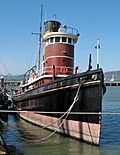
63,70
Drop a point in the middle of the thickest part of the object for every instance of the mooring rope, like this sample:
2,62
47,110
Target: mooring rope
72,113
70,108
76,98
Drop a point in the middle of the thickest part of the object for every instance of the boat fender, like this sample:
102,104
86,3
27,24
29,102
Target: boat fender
104,88
63,70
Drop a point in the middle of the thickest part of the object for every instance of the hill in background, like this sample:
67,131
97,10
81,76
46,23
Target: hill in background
12,77
108,76
112,76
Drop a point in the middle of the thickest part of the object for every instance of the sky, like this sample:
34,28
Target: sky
94,19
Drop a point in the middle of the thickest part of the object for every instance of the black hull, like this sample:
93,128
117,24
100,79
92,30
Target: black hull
55,98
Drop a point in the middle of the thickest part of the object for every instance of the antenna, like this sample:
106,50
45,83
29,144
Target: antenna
98,49
39,43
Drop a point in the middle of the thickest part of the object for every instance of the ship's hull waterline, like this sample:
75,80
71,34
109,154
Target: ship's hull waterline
88,132
49,105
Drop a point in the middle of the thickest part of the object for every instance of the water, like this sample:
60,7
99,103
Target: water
18,130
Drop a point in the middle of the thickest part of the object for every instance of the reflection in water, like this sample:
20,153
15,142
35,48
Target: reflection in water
55,145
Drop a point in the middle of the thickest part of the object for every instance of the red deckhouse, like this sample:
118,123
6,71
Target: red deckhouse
58,49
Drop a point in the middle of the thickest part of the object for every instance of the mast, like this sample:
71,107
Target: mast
39,43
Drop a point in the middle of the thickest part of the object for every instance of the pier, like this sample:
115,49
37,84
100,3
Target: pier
12,85
113,83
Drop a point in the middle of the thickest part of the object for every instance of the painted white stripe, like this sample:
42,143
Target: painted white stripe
41,77
58,67
58,56
36,79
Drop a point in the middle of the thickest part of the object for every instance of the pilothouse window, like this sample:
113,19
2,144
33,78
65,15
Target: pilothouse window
51,40
64,39
69,40
47,41
57,39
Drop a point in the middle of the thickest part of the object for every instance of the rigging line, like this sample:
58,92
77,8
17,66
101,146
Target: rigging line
67,112
4,68
30,61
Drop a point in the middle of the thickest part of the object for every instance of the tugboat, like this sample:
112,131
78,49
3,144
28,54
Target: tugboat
61,99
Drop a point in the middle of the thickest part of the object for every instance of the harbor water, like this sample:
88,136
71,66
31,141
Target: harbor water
26,136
